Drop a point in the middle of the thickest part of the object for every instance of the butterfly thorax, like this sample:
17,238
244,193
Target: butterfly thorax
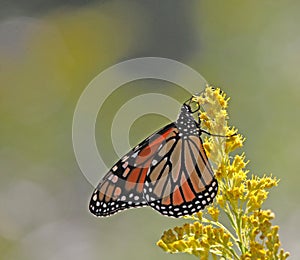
186,123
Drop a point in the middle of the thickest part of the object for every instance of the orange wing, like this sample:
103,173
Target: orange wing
123,186
182,183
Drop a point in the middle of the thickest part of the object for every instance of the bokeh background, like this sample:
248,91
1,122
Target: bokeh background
51,50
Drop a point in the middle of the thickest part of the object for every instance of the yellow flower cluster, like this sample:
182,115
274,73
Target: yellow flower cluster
240,198
196,239
263,237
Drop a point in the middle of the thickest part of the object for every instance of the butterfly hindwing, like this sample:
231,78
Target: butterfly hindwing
182,183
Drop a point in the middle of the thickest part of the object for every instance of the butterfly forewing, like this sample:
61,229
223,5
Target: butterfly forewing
122,187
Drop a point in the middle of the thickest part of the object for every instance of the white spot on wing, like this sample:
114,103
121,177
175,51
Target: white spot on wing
154,162
135,154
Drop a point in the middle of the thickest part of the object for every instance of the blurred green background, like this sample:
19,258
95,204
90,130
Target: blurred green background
51,50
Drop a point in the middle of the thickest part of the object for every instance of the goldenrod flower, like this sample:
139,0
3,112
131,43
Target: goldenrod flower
240,199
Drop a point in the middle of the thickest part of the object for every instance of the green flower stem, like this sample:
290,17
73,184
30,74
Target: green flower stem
239,232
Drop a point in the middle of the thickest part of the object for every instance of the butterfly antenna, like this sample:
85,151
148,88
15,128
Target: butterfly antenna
208,133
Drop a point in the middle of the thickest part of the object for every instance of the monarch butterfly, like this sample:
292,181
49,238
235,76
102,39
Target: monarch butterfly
168,171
